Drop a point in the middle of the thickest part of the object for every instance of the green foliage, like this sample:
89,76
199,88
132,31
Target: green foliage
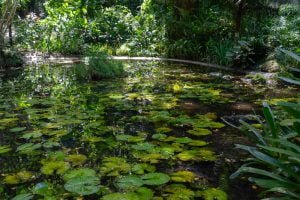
155,179
213,194
23,197
10,58
246,53
284,30
288,75
99,66
274,160
183,176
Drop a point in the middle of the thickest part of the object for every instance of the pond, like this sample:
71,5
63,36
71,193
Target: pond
154,134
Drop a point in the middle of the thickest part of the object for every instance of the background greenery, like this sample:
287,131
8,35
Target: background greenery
205,30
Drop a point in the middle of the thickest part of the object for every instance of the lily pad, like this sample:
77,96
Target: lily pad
197,143
129,182
76,159
179,192
183,140
26,196
143,146
130,138
28,148
114,166
183,176
85,185
163,130
121,196
31,135
212,194
5,149
199,132
197,155
155,179
141,168
20,177
17,129
58,167
79,173
141,194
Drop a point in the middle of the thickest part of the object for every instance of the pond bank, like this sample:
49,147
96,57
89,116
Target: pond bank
77,59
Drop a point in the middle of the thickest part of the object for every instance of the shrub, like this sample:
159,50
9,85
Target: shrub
247,53
285,28
100,66
10,58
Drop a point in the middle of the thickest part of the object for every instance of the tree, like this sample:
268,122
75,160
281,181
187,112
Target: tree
7,13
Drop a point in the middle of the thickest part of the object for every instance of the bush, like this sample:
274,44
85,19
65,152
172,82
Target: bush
285,28
10,58
113,26
100,66
247,53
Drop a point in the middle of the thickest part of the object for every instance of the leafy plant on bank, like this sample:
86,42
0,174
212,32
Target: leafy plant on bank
247,53
290,58
100,66
274,160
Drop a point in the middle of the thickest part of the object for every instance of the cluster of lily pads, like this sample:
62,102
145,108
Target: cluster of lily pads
114,139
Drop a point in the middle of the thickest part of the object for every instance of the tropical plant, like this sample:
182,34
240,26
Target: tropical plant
274,161
288,75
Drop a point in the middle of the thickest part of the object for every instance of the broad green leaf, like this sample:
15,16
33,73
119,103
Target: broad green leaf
85,185
129,182
27,196
5,149
155,179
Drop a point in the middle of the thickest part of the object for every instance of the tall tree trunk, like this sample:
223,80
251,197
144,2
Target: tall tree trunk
240,8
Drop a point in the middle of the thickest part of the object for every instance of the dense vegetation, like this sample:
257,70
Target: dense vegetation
181,29
105,129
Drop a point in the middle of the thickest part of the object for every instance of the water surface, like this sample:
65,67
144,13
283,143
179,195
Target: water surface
155,134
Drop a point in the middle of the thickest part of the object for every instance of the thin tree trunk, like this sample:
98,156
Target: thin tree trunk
239,17
10,35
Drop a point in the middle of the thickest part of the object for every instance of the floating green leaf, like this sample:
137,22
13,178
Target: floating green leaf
213,194
130,138
114,166
141,168
197,155
4,149
76,159
199,131
85,185
155,179
28,148
58,167
17,129
26,196
183,176
79,173
129,182
179,192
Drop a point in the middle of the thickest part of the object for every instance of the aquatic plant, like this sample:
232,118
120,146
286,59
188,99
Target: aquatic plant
213,194
183,176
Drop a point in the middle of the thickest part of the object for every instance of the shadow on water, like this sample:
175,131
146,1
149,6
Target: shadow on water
161,118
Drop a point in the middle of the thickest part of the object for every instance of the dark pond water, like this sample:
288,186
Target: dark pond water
155,134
